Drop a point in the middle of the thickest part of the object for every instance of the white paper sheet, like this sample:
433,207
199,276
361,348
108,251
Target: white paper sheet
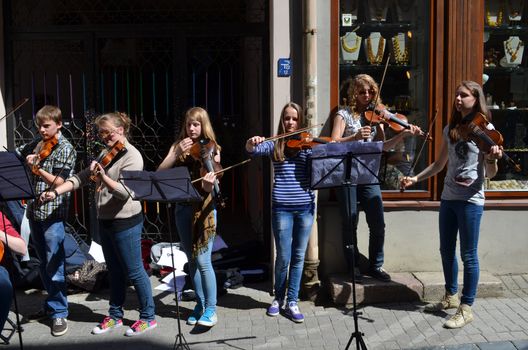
96,251
180,258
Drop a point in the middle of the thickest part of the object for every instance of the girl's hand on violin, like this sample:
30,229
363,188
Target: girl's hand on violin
495,153
97,169
407,181
208,182
184,146
252,142
363,133
414,130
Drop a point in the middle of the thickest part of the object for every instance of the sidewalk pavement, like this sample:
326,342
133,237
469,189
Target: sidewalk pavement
500,324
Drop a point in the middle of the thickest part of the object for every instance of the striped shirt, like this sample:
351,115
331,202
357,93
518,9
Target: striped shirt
291,186
60,162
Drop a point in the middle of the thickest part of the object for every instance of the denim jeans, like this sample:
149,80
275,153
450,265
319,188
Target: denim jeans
464,218
6,294
201,266
291,230
370,198
48,236
122,252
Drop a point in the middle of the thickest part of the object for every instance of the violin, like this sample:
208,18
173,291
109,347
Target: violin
396,121
305,140
46,147
109,157
204,151
474,127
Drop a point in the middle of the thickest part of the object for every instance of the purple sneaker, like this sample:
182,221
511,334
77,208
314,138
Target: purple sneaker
274,308
293,312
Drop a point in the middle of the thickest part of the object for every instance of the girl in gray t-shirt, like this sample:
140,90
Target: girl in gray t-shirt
462,201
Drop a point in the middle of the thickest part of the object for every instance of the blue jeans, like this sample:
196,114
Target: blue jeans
6,294
370,198
464,218
122,252
201,266
48,236
291,230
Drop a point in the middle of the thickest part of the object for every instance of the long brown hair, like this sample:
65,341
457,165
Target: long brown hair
480,106
350,90
278,152
200,115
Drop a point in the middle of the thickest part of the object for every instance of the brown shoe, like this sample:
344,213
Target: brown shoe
447,302
462,317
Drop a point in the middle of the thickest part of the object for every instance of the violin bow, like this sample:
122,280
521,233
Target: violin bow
298,131
224,169
381,84
17,106
426,137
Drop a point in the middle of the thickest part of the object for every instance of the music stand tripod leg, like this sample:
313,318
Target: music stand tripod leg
180,342
360,344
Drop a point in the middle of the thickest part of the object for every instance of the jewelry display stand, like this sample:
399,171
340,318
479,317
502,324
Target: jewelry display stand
350,47
377,10
400,49
515,10
375,48
513,48
494,13
405,10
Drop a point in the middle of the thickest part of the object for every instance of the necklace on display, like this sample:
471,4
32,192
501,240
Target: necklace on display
375,59
500,15
347,48
399,56
509,49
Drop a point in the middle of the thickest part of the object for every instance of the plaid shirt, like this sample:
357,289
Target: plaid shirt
60,162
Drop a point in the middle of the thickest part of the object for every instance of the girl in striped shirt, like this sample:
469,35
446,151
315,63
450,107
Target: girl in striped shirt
292,210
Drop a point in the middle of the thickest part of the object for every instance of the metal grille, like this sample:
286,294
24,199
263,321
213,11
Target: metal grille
154,78
92,12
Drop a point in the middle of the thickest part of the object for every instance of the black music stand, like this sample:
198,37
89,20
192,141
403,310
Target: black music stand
344,165
14,185
167,186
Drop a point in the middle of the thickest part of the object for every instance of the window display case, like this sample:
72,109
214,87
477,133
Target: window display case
372,32
505,81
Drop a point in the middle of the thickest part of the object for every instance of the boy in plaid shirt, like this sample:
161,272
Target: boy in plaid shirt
51,162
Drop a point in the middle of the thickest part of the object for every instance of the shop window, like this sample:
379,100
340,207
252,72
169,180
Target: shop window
371,31
506,87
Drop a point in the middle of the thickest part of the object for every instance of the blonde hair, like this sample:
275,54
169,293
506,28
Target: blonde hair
49,112
117,119
479,107
200,115
350,90
278,152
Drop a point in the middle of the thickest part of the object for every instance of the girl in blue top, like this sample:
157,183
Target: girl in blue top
292,210
462,202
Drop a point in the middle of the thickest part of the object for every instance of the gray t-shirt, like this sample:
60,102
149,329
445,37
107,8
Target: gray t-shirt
464,180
